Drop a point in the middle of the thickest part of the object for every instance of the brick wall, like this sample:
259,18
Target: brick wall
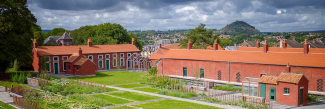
87,68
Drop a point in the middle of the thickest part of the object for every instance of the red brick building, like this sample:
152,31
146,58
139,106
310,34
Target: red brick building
77,64
105,57
233,66
287,88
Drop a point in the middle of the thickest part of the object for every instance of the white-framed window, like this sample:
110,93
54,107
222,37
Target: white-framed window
286,91
129,54
47,64
100,56
90,57
55,58
122,62
107,56
77,68
121,55
135,61
114,62
64,64
100,64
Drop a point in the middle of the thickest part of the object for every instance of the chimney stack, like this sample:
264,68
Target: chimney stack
215,45
266,47
288,66
159,45
284,43
258,43
132,41
35,43
89,43
306,47
314,40
189,44
80,52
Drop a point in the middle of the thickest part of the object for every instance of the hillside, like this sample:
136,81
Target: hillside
239,27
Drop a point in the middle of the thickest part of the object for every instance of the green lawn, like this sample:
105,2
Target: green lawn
131,85
152,90
7,106
134,96
122,107
173,104
110,78
111,100
3,83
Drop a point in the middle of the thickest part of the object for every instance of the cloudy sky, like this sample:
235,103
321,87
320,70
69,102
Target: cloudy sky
265,15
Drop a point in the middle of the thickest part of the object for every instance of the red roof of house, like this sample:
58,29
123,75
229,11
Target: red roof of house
81,61
163,50
68,50
277,49
280,58
211,47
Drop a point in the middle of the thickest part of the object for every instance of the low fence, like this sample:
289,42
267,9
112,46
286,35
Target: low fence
102,86
231,97
37,81
19,101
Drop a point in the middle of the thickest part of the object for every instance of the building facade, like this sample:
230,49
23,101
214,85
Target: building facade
105,57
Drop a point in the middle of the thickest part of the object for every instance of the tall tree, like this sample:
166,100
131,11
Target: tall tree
200,37
56,32
16,22
40,37
137,41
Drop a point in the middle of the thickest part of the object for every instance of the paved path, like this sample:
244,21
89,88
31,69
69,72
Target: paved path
134,103
4,96
318,105
176,98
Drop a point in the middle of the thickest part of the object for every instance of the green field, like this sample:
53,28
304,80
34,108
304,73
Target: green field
151,90
111,78
131,85
122,107
173,104
111,100
134,96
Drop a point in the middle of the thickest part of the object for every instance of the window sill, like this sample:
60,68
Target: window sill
287,94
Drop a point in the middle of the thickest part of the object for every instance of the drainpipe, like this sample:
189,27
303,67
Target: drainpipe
228,72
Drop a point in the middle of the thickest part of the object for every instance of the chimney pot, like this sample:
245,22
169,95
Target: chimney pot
189,44
284,43
266,47
258,43
35,43
159,45
89,43
215,45
132,41
314,40
306,47
80,52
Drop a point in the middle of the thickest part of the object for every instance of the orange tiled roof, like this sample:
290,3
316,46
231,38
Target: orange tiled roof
71,58
81,61
280,58
163,50
268,79
277,49
290,77
68,50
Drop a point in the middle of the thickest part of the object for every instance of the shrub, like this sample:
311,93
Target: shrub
312,98
20,78
228,87
153,71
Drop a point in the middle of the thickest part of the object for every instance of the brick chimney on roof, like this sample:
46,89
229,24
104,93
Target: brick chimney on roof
132,41
266,47
35,43
258,43
314,40
89,43
159,45
215,45
189,44
306,47
80,52
284,43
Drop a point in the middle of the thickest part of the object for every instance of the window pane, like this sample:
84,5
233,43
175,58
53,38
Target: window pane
100,57
107,56
90,57
100,64
114,62
55,58
47,58
64,64
47,67
122,62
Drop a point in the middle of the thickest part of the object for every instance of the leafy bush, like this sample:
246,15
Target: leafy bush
228,87
20,78
153,71
312,98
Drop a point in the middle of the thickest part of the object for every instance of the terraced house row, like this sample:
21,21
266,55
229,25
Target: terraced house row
228,66
80,59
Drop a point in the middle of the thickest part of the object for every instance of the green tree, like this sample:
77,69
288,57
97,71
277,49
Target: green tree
56,32
225,42
40,37
200,37
16,22
137,41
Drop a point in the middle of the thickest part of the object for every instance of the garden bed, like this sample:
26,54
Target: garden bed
152,90
134,96
173,104
228,87
131,85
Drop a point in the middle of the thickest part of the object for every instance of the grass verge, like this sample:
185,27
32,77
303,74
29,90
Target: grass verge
174,104
134,96
122,107
177,94
131,85
111,78
151,90
3,83
7,106
110,99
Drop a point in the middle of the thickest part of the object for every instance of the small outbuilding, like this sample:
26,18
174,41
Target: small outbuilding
287,88
79,65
